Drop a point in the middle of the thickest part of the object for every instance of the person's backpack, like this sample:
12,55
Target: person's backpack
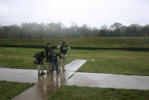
39,57
36,56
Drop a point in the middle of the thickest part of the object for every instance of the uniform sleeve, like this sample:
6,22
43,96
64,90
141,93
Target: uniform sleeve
58,55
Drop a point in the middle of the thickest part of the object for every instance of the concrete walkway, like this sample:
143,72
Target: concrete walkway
110,81
42,90
48,84
19,75
31,76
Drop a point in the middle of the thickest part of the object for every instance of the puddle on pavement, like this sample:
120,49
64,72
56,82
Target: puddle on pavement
109,81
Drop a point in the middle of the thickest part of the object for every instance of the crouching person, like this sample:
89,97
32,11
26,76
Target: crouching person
54,58
39,62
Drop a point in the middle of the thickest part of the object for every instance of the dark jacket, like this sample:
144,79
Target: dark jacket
63,49
54,56
47,53
47,50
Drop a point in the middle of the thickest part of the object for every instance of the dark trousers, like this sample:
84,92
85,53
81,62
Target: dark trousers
55,64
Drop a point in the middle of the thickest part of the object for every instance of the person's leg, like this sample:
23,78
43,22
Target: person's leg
56,64
42,68
38,67
53,64
50,66
47,67
61,62
64,60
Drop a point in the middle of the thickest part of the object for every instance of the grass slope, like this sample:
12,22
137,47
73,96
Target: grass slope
8,90
87,93
111,42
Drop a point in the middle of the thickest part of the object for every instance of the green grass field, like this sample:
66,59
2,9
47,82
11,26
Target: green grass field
20,58
8,90
17,57
115,61
87,93
111,42
99,61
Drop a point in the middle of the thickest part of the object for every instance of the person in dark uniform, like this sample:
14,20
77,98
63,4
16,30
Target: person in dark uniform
63,52
47,53
54,58
39,62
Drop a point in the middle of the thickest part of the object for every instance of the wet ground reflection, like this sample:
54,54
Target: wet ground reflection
47,85
50,83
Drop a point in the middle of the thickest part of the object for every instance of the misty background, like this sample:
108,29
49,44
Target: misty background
34,30
73,18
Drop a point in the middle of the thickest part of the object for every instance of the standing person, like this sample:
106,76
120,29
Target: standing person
39,62
47,53
54,60
63,52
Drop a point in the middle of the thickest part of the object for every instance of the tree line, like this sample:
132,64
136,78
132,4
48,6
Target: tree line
34,30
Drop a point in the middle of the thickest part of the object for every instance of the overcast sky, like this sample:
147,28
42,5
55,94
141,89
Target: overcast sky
94,13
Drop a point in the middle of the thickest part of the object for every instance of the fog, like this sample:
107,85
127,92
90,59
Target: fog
94,13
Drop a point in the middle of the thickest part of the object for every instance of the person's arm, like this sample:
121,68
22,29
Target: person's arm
58,55
68,48
59,46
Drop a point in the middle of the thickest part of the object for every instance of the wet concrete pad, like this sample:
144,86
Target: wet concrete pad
46,85
110,81
31,76
72,67
19,75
